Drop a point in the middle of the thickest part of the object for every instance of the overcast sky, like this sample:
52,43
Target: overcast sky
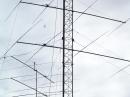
94,76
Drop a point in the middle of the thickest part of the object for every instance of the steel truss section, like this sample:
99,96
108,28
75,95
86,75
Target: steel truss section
67,43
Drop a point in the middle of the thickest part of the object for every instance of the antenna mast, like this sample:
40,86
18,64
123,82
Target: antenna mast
68,43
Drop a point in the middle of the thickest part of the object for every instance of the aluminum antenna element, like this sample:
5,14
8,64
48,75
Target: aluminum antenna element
68,43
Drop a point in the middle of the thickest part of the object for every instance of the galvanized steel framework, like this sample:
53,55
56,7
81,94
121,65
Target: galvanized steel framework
68,43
